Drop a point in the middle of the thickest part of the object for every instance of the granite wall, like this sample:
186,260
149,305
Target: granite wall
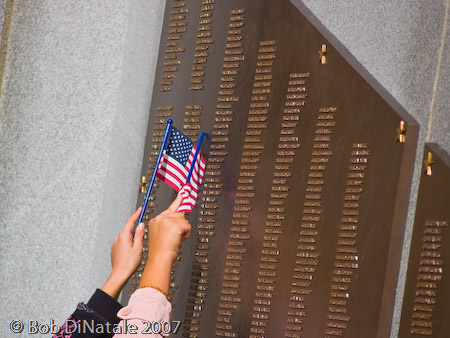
73,118
74,109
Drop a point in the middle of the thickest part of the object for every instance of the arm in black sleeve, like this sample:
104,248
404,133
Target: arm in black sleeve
94,319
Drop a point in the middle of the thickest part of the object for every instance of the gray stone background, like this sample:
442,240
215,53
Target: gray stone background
73,118
73,115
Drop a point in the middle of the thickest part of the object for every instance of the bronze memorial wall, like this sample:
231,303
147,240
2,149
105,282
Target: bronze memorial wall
299,225
426,303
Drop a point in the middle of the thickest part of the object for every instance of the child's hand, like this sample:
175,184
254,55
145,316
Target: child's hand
126,255
167,230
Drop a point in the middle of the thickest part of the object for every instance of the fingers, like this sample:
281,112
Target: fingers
184,228
186,233
131,221
175,204
139,237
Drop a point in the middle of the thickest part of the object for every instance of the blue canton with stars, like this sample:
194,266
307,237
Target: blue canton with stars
179,146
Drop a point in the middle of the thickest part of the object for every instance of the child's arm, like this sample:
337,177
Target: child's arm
149,304
166,232
126,254
102,308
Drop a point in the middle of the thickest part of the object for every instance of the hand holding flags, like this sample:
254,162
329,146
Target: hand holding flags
174,166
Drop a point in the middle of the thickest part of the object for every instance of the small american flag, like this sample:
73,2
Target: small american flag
175,165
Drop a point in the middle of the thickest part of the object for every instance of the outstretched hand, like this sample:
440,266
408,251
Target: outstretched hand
167,230
126,254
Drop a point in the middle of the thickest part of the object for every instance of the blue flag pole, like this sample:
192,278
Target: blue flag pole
155,170
199,144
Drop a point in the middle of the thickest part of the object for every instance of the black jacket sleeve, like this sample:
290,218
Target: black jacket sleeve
94,319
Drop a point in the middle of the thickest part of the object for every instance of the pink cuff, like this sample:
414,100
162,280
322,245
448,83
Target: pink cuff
147,304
